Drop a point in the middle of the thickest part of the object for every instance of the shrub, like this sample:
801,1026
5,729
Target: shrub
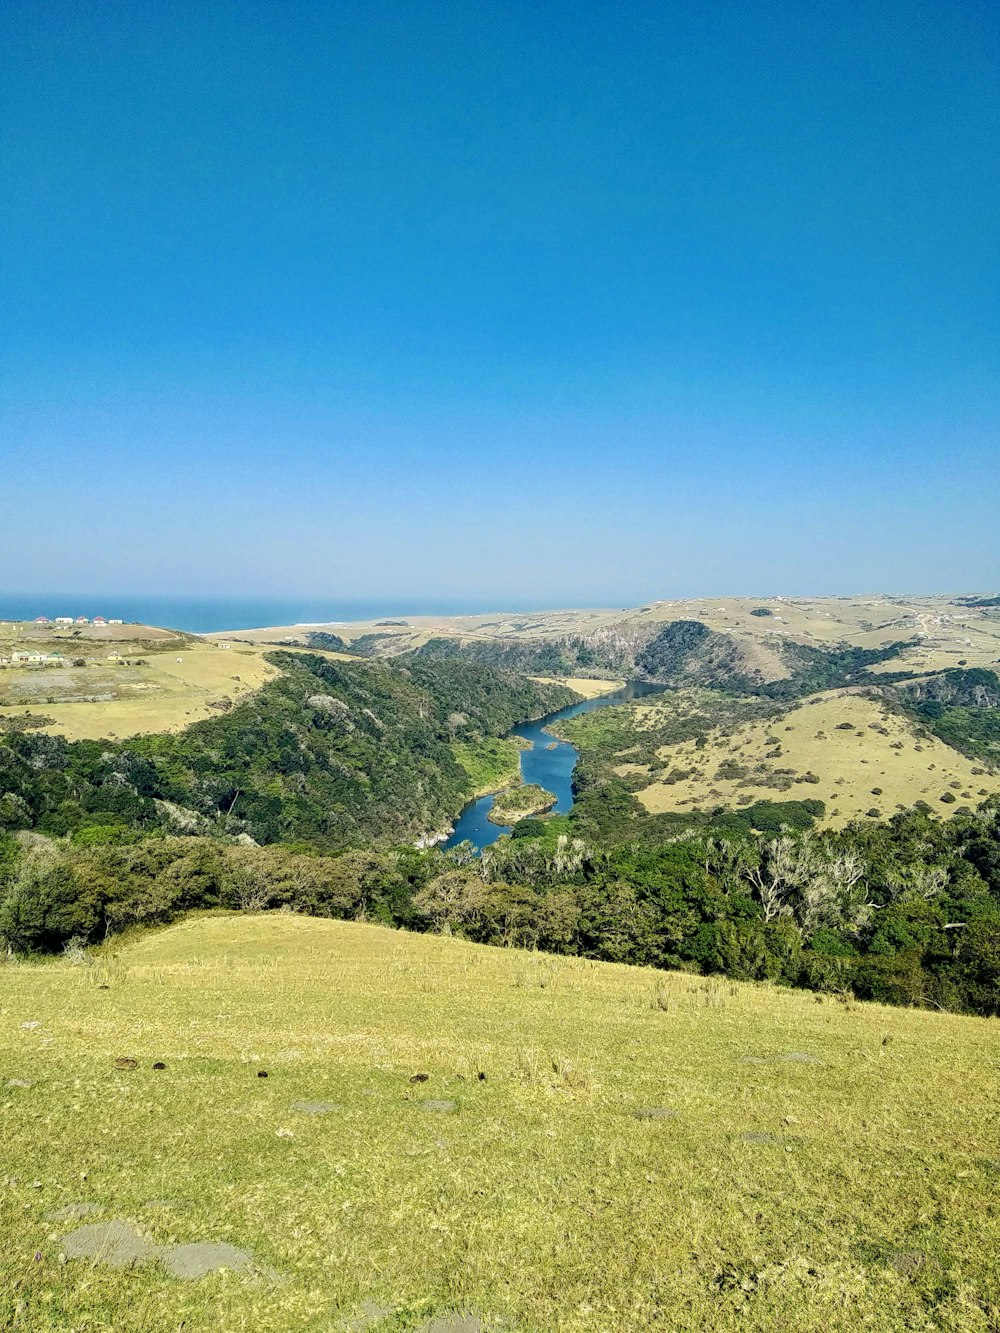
47,905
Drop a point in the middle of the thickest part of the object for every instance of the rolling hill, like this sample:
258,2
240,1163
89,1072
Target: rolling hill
454,1137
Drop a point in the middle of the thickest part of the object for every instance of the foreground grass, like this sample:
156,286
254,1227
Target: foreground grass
868,1198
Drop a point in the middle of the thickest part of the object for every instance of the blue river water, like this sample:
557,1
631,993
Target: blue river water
549,762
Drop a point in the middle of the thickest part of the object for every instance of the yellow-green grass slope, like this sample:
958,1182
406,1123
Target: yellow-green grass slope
829,1166
866,756
106,697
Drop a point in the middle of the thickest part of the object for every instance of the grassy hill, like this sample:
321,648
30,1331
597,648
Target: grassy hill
121,680
646,1151
855,753
943,631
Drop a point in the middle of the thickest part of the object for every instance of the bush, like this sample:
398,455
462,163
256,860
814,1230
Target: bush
895,979
47,905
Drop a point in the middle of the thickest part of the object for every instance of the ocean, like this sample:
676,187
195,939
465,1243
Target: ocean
206,615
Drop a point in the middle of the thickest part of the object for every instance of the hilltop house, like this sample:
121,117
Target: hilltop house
98,620
21,655
42,620
64,620
82,620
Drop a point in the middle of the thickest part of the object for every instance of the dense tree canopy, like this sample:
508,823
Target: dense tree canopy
330,754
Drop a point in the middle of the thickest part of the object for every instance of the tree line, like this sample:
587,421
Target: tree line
904,912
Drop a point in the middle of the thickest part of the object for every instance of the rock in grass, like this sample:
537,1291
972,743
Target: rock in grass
117,1244
196,1260
453,1321
369,1314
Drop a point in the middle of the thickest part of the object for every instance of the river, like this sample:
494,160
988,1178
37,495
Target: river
548,761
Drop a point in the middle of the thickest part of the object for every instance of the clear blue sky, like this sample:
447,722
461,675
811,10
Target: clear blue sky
588,302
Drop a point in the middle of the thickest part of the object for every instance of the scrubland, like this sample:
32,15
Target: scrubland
852,751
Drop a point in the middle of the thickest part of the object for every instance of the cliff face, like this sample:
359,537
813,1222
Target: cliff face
973,687
686,652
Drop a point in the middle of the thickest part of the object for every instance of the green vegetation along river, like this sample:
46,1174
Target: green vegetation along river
546,761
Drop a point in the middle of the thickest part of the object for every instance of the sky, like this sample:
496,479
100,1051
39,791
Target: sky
585,303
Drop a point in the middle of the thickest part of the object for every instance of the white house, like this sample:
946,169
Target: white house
64,620
116,622
42,620
82,620
98,620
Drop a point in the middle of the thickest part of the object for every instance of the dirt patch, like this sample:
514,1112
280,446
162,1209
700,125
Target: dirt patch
908,1263
442,1107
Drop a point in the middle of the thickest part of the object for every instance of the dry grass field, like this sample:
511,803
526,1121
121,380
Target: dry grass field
168,691
947,629
583,685
537,1143
853,744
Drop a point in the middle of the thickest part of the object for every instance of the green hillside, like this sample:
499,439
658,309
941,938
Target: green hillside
329,754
